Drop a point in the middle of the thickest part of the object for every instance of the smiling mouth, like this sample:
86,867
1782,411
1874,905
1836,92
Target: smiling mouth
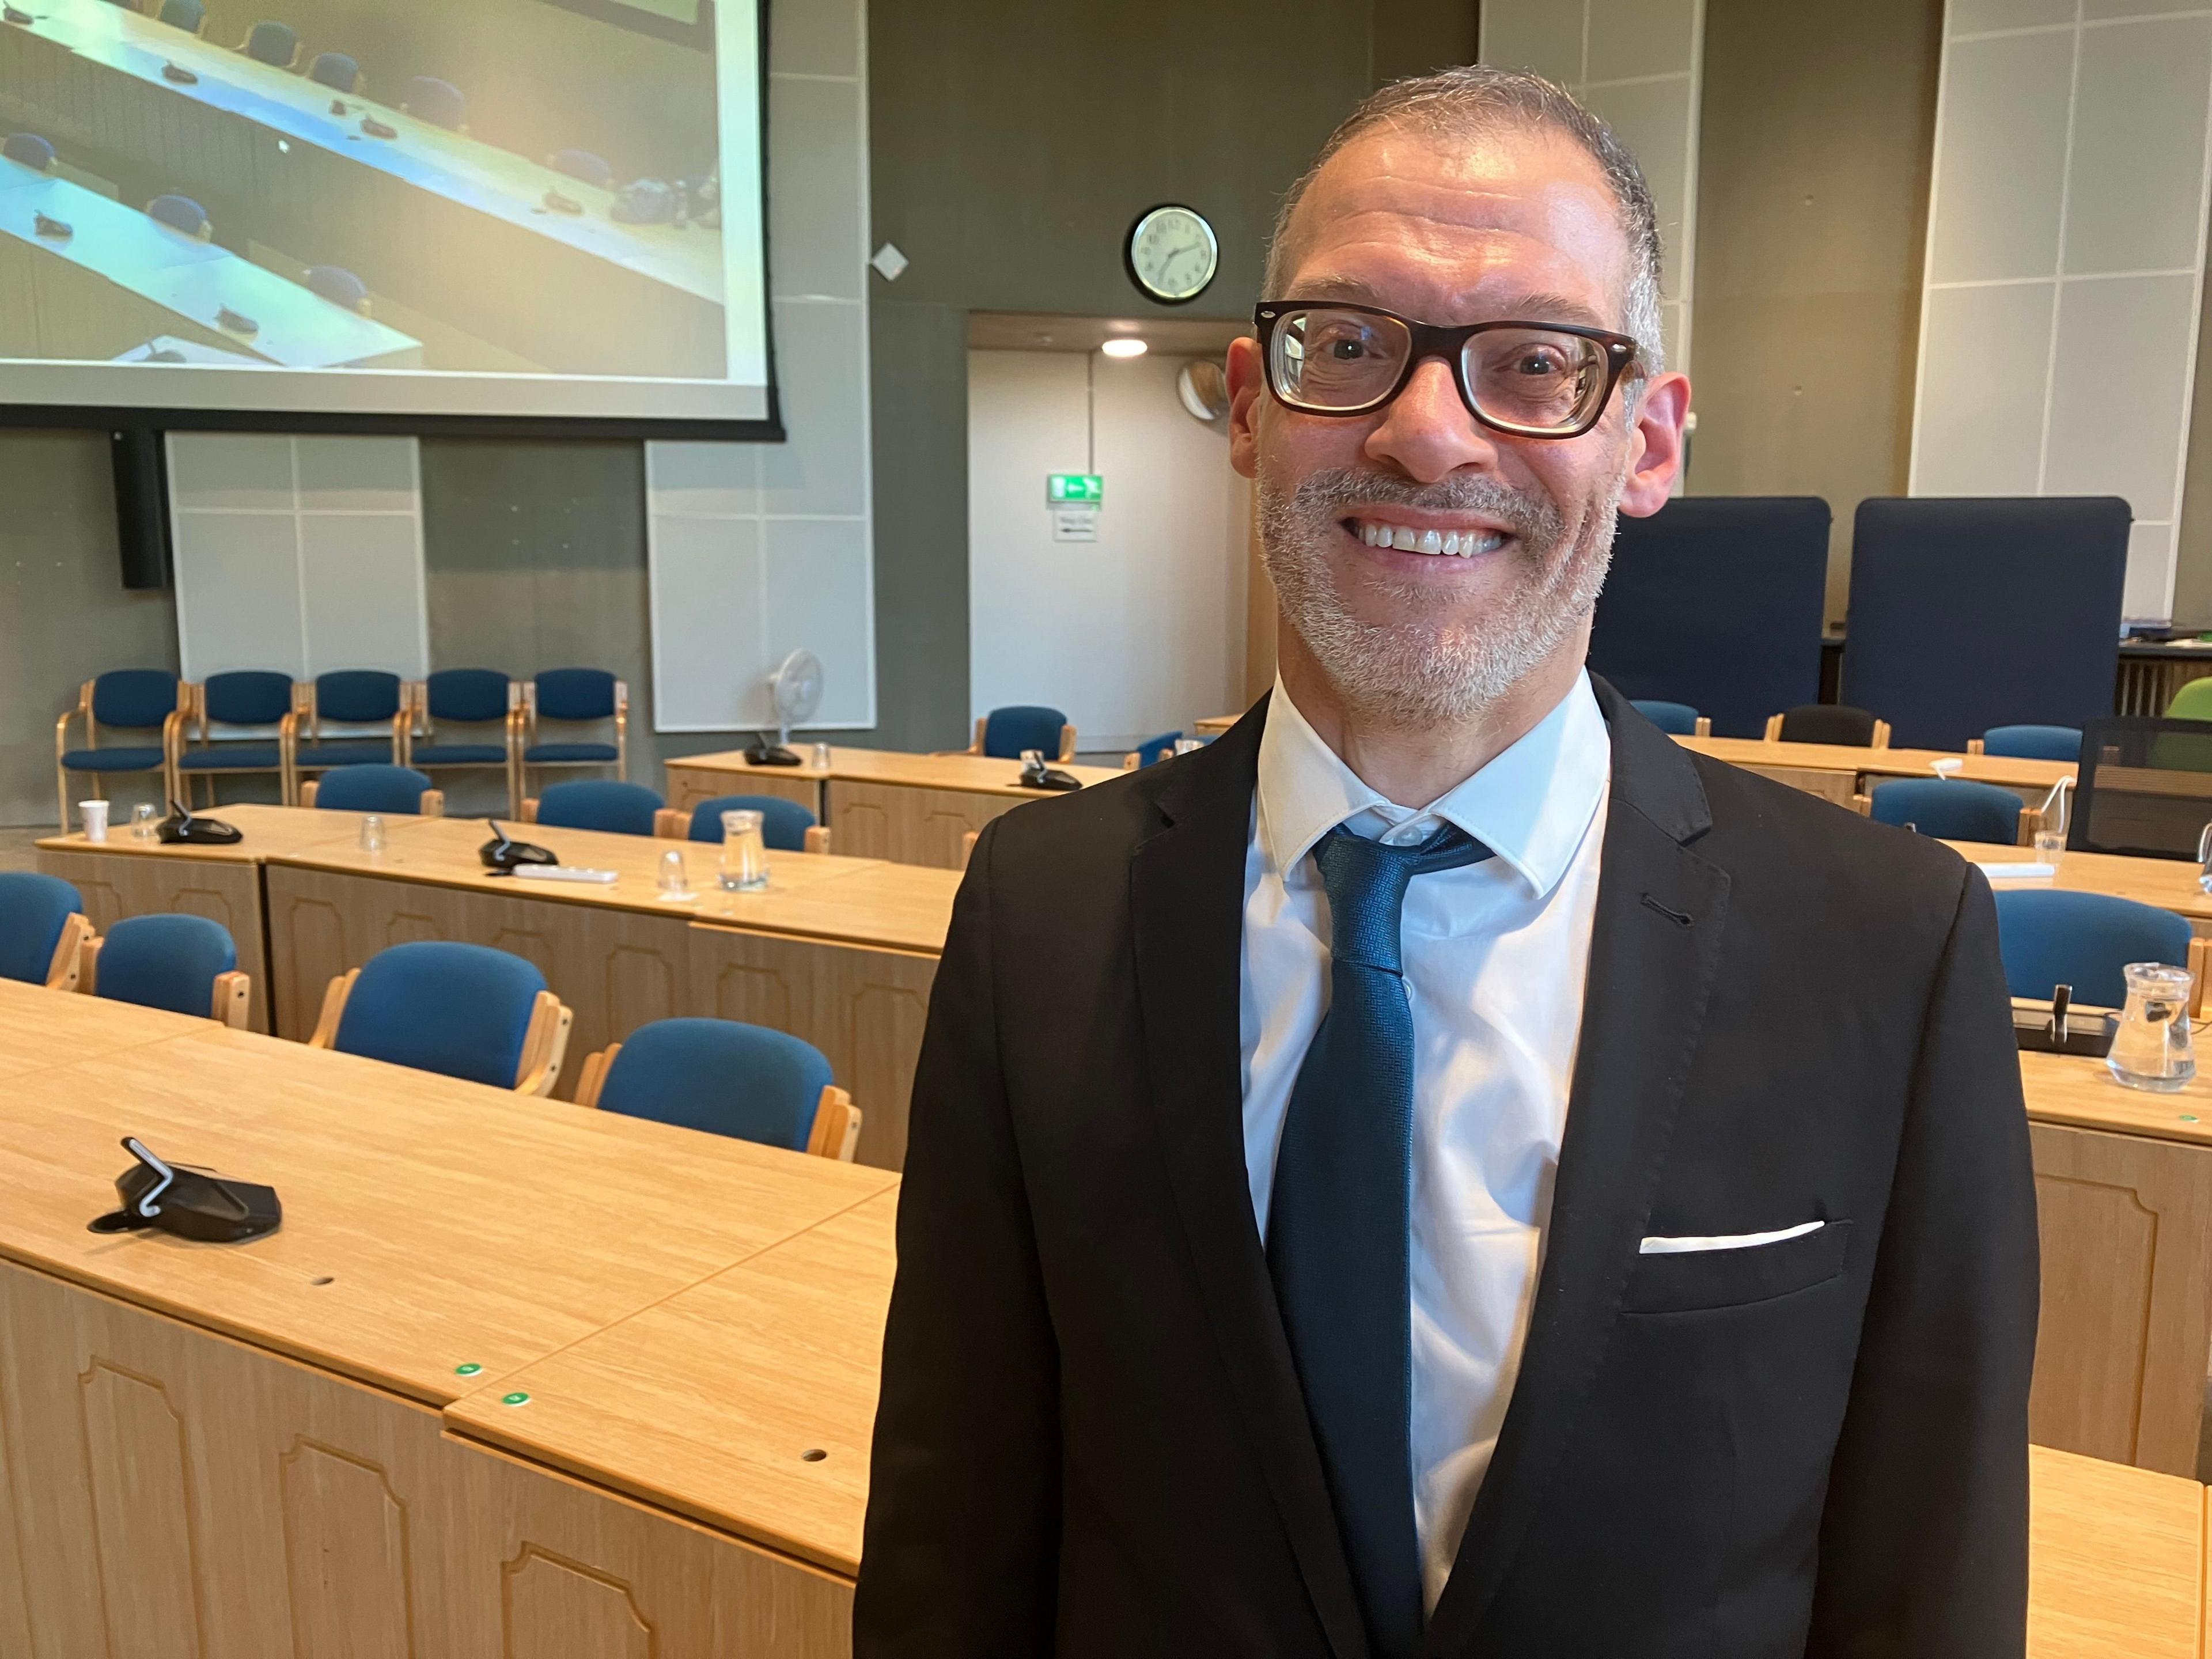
1444,543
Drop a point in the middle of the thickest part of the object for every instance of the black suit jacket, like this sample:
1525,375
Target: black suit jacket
1092,1441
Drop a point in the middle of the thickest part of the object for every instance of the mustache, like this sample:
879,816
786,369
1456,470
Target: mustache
1532,515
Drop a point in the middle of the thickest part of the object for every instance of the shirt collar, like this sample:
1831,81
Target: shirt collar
1531,806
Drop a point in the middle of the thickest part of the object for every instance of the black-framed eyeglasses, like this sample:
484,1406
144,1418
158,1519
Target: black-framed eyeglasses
1530,379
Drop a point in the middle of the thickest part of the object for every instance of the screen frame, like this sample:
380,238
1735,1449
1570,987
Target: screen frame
767,429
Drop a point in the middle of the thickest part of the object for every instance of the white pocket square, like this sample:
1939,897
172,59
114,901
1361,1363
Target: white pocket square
1724,1240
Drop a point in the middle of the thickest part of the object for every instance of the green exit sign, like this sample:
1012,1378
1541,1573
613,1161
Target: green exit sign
1061,488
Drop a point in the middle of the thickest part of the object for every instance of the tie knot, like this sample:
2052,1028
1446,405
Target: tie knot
1366,884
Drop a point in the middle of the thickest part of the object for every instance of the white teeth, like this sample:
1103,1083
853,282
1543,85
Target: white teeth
1376,535
1451,542
1432,541
1406,541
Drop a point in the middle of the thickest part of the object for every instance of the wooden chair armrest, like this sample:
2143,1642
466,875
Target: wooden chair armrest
1131,760
1977,746
543,1046
1067,743
1881,734
622,730
334,1001
61,731
87,964
837,1131
1704,725
530,809
968,846
2031,826
1862,805
401,744
672,823
232,993
2200,960
817,838
432,803
1774,728
593,1077
288,756
308,791
63,972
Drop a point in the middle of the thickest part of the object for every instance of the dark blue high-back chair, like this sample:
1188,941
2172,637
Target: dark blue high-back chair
2050,936
466,1011
337,71
142,701
1004,733
351,696
574,696
30,150
190,15
439,102
182,214
2053,743
1152,751
1829,722
242,697
784,823
622,809
340,287
374,788
1949,809
275,43
475,697
186,964
582,164
42,926
1677,720
716,1075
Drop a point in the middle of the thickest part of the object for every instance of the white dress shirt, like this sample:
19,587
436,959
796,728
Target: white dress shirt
1495,956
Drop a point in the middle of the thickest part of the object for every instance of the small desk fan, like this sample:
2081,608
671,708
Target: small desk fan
795,689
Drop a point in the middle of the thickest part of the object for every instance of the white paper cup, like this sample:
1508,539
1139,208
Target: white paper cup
94,814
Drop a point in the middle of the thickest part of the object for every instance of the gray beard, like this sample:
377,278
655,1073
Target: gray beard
1432,671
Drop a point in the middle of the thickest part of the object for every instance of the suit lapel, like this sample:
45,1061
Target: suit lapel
1187,889
1643,1006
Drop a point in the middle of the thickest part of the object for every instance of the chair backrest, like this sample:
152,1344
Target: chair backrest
2056,743
357,694
1829,722
1676,718
33,910
1007,732
338,285
1152,751
439,102
335,70
164,962
179,213
185,15
575,693
2050,936
133,699
466,696
582,164
462,1009
2192,702
784,823
626,809
2145,788
29,151
247,696
744,1081
1949,809
273,43
372,789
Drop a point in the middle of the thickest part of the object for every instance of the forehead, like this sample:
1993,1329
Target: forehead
1446,225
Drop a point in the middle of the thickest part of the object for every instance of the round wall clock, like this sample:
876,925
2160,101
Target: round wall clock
1171,253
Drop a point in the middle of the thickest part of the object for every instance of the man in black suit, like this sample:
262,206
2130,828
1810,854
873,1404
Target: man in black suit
1445,1170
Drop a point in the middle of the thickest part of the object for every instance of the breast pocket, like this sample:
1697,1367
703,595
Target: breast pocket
1685,1281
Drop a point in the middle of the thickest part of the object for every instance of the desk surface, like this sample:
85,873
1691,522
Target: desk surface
2116,1560
2074,1090
42,1029
2169,883
192,279
972,773
267,831
1757,753
429,1224
460,168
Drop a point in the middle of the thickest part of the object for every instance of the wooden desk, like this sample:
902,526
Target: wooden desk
40,1028
123,876
879,803
240,1450
2116,1560
2169,883
1837,772
1212,725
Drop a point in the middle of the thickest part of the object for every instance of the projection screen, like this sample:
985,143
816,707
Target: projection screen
385,213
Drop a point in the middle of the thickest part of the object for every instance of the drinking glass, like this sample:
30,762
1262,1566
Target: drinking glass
2152,1049
2049,847
372,832
744,854
143,817
822,757
675,880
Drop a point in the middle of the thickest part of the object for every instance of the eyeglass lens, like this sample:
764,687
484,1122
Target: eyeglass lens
1341,361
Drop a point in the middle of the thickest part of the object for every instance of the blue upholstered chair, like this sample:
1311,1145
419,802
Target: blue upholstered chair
480,698
744,1081
2053,743
190,15
1004,733
573,697
582,164
1151,751
1829,722
1948,809
785,826
42,929
340,287
186,964
334,69
374,788
182,214
1677,720
145,702
2050,936
466,1011
243,697
351,696
439,102
28,149
276,44
622,809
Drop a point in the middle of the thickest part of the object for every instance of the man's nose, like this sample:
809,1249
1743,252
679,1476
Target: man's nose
1426,432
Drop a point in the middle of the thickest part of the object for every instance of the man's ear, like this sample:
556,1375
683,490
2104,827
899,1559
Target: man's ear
1248,384
1655,444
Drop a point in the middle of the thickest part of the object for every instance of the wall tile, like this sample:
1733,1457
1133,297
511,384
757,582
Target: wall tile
1543,35
2001,154
2099,10
231,469
237,593
2118,397
1971,16
362,574
1981,390
817,37
1639,37
702,478
705,605
2136,191
356,474
2150,571
823,381
818,581
814,215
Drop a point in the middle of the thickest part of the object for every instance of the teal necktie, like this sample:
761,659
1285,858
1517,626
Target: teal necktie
1340,1223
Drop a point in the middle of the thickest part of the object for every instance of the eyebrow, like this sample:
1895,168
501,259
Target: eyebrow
1533,307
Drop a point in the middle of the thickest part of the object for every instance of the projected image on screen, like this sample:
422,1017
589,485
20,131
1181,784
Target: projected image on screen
435,207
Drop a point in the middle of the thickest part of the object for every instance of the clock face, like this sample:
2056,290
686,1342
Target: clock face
1172,254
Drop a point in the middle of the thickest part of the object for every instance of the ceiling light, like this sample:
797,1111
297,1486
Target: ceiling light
1123,347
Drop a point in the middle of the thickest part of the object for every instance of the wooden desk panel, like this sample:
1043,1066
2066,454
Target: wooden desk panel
40,1028
1836,771
689,785
2116,1561
908,825
2169,883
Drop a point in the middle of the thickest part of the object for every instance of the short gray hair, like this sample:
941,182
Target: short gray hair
1476,98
